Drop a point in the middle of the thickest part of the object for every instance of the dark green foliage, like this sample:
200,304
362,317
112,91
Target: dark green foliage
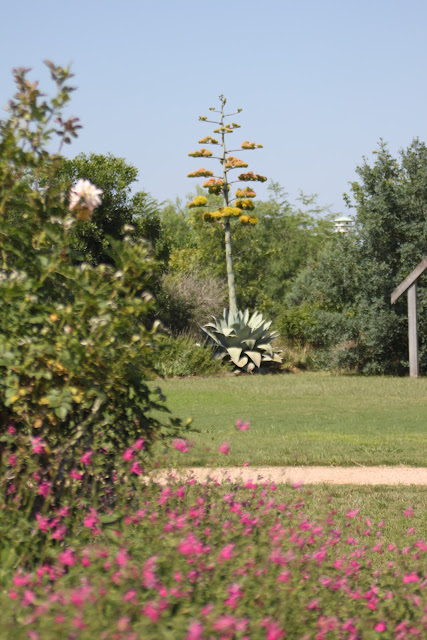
90,239
356,273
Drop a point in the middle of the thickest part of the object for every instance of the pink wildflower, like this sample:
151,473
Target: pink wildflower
130,596
410,577
224,623
151,611
380,626
37,445
138,444
91,520
352,513
128,455
273,631
181,445
242,426
29,598
226,552
11,429
11,460
86,458
224,448
43,488
135,468
43,522
195,631
67,558
123,624
409,513
234,593
285,576
122,558
75,474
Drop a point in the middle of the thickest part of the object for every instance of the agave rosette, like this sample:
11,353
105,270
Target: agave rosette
243,338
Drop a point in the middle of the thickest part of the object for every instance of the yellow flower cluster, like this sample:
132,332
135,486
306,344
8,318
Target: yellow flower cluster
225,212
200,173
247,192
251,145
230,211
201,153
248,220
245,204
247,177
199,201
208,140
227,129
233,163
203,118
214,185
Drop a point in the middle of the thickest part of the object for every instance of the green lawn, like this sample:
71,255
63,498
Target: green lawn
304,419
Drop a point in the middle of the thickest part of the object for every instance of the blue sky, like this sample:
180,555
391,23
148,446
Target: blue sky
319,82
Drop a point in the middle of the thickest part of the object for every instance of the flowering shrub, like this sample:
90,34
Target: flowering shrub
202,561
75,341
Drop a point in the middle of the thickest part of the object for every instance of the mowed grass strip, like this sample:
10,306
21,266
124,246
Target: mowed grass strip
303,419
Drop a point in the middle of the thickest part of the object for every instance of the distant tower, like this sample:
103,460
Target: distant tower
343,225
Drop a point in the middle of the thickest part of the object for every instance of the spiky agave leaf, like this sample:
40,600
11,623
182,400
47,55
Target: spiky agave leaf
243,338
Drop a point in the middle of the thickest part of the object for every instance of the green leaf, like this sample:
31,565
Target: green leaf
235,353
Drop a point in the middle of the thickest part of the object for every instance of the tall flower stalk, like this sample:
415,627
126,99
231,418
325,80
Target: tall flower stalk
237,208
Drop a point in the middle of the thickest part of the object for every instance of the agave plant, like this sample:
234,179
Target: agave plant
245,339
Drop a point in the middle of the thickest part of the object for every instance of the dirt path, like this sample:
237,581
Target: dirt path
308,475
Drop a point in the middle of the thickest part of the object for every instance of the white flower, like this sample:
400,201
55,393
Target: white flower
86,194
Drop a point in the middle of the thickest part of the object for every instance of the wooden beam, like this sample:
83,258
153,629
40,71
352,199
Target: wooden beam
414,371
419,269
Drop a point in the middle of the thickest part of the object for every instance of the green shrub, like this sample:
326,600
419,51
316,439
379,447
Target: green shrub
183,356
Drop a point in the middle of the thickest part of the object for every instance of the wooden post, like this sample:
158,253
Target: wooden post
409,284
414,371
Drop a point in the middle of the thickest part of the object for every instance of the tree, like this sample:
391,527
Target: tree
355,275
119,210
220,185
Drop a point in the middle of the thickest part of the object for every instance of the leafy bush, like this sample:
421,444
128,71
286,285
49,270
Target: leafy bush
182,355
74,345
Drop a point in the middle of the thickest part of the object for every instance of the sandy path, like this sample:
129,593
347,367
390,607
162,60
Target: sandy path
307,475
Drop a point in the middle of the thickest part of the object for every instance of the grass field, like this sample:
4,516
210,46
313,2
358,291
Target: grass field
304,419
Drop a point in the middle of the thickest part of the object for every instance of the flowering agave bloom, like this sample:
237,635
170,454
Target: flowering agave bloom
84,194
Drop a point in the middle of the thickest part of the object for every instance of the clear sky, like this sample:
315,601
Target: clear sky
319,82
